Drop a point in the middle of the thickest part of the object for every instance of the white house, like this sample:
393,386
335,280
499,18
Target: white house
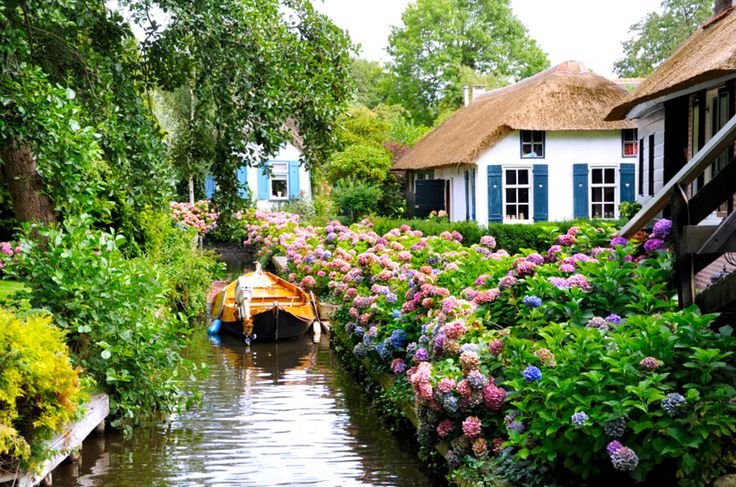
533,151
281,179
678,109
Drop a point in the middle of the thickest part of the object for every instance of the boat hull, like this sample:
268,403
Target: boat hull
263,306
270,325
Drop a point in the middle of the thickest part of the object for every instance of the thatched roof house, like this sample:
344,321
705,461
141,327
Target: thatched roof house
709,54
534,151
566,97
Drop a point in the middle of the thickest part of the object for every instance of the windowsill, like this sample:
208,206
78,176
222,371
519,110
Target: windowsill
631,157
274,198
532,157
520,222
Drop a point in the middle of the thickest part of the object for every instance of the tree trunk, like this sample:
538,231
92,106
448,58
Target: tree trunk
18,168
191,189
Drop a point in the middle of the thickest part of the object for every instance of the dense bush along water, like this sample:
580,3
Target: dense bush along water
278,414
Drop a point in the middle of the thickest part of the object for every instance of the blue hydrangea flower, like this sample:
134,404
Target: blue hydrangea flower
391,298
533,301
578,419
615,428
396,314
476,379
359,331
673,403
383,351
450,403
532,374
398,338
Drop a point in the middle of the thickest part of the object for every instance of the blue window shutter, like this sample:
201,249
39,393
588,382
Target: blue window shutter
242,174
263,178
209,187
541,193
580,190
293,180
495,212
628,183
472,193
467,195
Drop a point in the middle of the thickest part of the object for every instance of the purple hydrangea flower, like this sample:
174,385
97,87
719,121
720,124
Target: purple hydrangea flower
613,447
649,363
624,459
654,244
533,301
512,422
662,228
614,319
476,379
421,355
578,419
532,374
618,241
673,403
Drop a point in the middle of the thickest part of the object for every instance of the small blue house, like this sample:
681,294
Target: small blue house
280,180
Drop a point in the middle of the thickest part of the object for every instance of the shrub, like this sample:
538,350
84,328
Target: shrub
115,315
570,364
39,388
355,198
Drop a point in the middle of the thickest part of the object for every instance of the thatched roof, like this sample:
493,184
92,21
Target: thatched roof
708,54
566,97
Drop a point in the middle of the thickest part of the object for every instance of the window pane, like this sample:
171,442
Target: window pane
610,176
510,211
609,210
278,188
538,136
609,194
597,195
523,212
510,195
523,195
526,136
510,176
596,211
523,176
597,176
279,167
539,150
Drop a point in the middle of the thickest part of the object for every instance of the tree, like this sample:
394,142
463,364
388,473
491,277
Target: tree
76,134
657,35
372,82
439,38
251,65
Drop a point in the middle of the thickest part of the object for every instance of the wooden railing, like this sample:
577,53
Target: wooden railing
695,245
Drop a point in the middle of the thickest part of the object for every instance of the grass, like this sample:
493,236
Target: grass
8,288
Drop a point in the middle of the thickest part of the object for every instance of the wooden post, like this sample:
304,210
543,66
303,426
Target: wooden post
684,276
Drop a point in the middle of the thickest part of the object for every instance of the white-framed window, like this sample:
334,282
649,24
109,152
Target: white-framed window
517,194
532,144
629,146
603,192
279,181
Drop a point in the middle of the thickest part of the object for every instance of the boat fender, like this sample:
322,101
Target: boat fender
214,327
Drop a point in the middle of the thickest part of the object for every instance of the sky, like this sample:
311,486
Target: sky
589,31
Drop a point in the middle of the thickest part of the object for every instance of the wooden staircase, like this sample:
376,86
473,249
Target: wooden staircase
696,246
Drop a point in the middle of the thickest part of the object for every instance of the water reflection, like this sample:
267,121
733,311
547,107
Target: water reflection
275,414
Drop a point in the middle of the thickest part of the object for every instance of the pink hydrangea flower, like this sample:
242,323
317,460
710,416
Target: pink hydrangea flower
472,427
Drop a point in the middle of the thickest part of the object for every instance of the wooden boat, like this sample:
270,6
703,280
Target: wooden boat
260,304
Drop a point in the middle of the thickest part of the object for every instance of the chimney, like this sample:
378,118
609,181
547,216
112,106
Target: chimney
476,91
466,95
721,6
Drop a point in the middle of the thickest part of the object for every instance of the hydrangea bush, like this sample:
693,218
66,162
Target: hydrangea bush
196,215
570,364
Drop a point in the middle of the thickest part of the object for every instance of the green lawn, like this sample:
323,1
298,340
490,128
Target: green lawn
8,288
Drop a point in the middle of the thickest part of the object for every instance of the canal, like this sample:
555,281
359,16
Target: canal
275,414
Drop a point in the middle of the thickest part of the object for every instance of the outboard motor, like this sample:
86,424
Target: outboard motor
243,295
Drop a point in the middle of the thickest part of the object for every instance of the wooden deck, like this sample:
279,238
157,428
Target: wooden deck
64,443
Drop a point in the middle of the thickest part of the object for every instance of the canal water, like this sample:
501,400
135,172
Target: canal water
274,414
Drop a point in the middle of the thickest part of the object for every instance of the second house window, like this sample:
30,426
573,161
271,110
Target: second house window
532,144
517,188
279,180
603,192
